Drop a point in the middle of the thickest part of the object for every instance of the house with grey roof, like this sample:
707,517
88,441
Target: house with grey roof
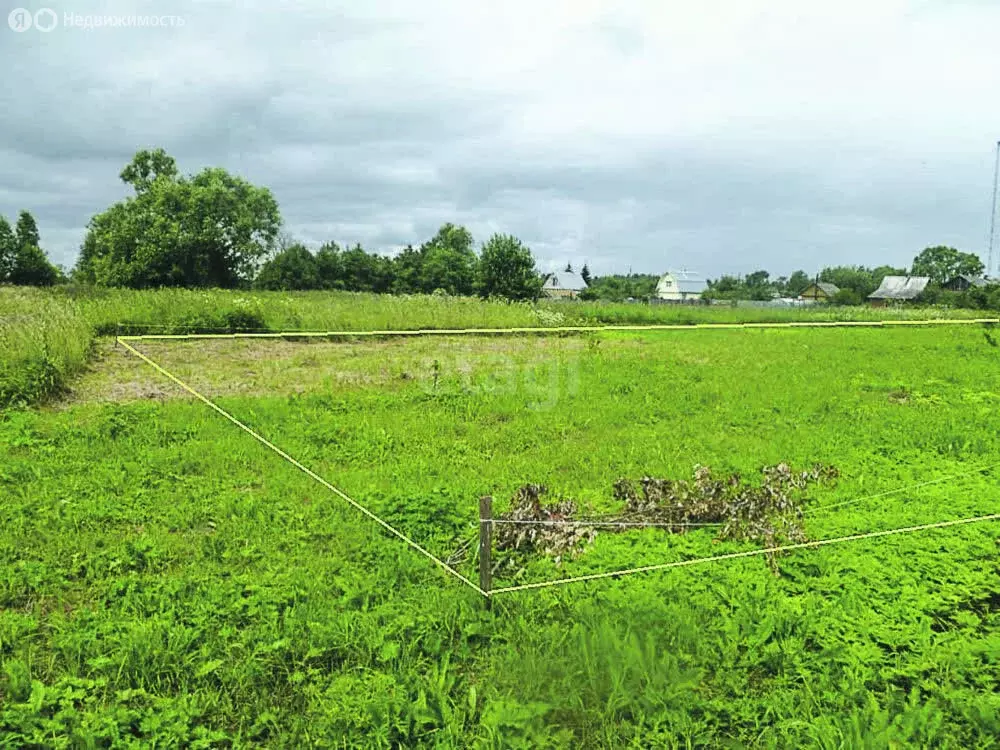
962,282
680,286
563,284
898,289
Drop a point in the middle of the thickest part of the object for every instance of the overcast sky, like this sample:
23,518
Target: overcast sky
720,135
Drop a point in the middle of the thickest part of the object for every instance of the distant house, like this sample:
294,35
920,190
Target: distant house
821,291
680,286
963,282
898,289
563,284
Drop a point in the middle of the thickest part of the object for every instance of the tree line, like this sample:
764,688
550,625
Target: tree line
213,229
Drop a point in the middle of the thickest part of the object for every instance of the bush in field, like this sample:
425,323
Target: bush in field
209,229
769,513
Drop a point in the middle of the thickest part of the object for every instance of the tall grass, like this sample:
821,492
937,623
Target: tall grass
45,335
43,341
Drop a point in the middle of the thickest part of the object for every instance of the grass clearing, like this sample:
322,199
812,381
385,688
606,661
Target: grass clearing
167,579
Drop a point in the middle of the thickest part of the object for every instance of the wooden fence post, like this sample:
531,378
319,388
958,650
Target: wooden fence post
486,546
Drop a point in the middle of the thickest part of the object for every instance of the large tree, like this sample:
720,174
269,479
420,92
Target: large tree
448,261
942,263
507,269
210,229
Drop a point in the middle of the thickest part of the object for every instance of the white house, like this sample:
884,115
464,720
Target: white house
563,284
680,286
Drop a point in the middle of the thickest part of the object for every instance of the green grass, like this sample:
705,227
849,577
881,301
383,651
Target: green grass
164,579
44,340
46,335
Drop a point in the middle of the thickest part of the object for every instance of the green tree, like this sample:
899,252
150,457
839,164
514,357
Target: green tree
366,272
942,263
797,283
148,166
330,266
8,249
407,271
32,268
507,269
27,231
448,262
292,268
863,281
618,287
210,229
585,275
725,284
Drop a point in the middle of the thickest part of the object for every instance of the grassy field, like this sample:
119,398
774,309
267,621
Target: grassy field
47,336
166,579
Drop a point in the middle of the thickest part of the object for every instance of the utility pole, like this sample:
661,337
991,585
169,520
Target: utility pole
993,210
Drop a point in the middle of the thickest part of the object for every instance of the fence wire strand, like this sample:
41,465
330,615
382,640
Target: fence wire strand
306,470
748,553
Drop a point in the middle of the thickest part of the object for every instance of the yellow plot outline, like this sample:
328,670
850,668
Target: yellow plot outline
124,341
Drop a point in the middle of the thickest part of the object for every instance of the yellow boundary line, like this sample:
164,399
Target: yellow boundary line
750,553
340,493
563,329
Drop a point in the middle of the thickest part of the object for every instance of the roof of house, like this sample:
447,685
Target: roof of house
900,287
971,280
569,280
828,288
685,282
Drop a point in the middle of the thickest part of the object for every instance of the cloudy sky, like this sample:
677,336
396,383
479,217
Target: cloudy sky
722,135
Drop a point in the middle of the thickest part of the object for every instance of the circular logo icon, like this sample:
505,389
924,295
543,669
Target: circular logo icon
46,20
19,19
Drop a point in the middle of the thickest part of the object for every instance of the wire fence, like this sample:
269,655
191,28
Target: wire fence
250,333
487,591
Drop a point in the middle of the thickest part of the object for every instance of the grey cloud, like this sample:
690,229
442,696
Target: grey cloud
378,122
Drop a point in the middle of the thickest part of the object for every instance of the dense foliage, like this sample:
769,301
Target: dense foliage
942,264
22,261
209,229
618,288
